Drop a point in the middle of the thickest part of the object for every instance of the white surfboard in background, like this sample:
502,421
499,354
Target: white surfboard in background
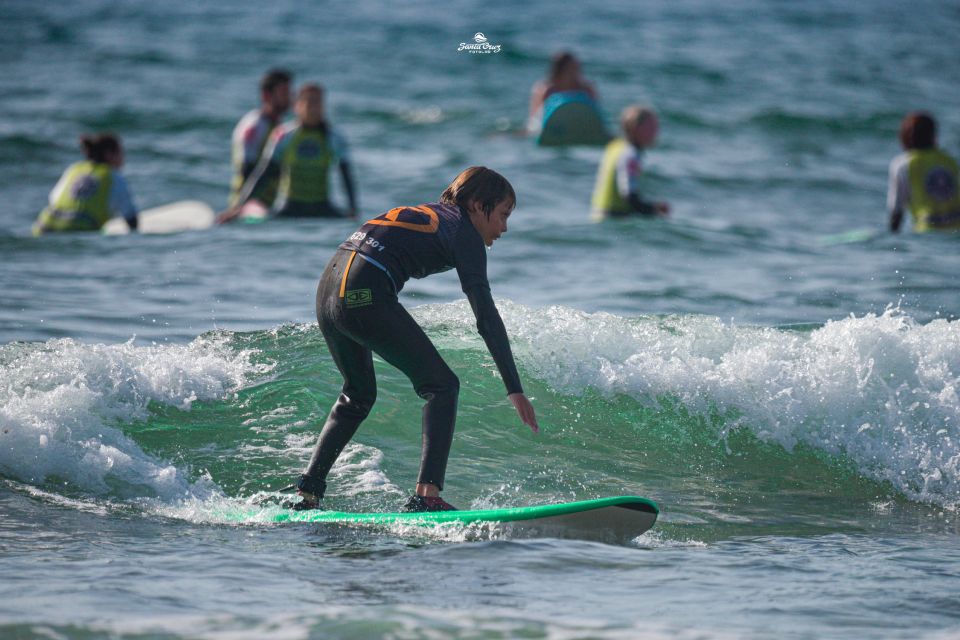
185,215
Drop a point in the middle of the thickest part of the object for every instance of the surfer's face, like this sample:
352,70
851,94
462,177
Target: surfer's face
279,98
115,158
490,227
643,135
310,108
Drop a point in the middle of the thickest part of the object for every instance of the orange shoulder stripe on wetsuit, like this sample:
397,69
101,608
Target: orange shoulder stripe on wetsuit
389,219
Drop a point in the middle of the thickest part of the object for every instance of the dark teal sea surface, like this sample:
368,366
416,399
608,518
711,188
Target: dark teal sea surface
787,391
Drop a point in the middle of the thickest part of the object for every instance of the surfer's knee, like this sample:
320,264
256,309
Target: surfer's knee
444,383
450,383
357,404
364,403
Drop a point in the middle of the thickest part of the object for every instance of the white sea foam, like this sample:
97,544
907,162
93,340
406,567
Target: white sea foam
881,390
62,402
357,476
400,622
358,471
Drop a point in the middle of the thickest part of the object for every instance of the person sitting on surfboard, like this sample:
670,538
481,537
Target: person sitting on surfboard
923,179
302,152
617,191
359,315
565,75
90,192
251,134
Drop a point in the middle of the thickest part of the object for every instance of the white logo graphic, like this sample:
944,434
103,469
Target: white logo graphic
482,45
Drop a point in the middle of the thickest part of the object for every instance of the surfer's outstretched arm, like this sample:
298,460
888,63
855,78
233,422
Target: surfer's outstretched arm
490,327
896,219
346,175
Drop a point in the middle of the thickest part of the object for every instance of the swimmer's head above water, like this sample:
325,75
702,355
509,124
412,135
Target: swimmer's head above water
640,125
275,92
918,130
309,106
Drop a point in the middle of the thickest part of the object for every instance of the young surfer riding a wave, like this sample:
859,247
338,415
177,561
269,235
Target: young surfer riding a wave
359,314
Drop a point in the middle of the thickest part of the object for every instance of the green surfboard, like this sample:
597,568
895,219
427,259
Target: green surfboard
572,118
621,517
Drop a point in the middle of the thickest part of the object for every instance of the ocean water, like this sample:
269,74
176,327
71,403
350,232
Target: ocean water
785,390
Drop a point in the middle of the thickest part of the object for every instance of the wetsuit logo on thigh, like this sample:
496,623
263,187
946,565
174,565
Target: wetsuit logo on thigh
358,298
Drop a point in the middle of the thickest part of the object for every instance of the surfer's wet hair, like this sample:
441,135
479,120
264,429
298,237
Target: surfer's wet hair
484,186
635,115
918,131
559,63
98,146
274,78
311,88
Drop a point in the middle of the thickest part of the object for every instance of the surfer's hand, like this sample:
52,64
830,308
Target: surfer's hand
896,217
228,215
525,411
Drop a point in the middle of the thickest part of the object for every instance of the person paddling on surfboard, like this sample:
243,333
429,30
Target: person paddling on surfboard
617,190
90,192
303,153
359,315
923,179
565,75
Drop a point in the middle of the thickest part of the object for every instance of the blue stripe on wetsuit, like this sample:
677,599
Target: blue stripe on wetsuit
382,268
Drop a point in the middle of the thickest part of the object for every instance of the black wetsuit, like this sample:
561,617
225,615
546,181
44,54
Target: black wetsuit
359,313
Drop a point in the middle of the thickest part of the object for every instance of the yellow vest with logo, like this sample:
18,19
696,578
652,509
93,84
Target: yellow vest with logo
84,202
305,162
934,196
606,196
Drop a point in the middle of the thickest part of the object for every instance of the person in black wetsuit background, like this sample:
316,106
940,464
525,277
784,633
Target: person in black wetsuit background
359,314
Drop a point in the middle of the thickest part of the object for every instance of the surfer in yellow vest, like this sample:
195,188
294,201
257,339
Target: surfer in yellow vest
923,179
565,75
251,134
302,153
617,191
90,192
